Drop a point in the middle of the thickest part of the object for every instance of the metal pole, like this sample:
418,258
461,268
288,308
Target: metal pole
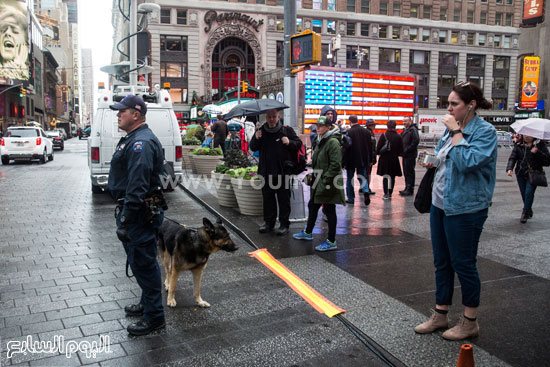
133,45
290,90
239,85
13,86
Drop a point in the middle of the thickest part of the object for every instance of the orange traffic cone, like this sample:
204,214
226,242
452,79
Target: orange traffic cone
466,356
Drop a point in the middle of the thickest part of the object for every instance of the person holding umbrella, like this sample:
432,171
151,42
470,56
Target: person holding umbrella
529,155
278,145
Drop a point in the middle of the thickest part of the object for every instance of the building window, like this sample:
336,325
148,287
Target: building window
497,42
427,12
442,36
454,37
470,16
280,24
350,6
413,34
414,11
317,25
390,55
298,25
260,1
501,63
317,4
446,81
500,83
423,101
483,17
448,59
498,19
165,16
364,29
471,39
243,1
443,14
365,6
457,15
331,26
396,33
172,69
481,40
509,2
350,29
357,57
178,95
383,8
397,9
383,31
476,80
298,3
324,52
280,54
509,18
499,2
500,103
331,5
420,57
506,42
281,2
425,35
423,80
173,43
475,61
182,17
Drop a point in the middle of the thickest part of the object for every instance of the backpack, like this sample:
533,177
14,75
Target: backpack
298,165
346,149
386,147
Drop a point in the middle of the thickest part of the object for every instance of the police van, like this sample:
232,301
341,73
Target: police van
105,134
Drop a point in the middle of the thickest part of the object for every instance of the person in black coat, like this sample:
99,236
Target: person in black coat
220,131
278,146
529,154
410,152
357,158
388,163
370,125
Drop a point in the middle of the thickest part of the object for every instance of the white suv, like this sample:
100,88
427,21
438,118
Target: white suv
25,143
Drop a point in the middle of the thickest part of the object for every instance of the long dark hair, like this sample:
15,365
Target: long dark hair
468,91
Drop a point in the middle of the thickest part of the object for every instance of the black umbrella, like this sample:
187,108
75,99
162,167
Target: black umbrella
254,108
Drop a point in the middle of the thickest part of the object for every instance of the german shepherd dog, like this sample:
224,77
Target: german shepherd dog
184,248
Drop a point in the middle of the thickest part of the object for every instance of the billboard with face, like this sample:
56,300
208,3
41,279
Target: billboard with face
14,40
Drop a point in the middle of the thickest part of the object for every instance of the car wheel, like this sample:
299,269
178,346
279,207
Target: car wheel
62,147
44,157
5,160
50,157
96,189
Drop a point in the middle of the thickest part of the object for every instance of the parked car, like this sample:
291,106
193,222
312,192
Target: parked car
25,143
56,138
85,133
63,133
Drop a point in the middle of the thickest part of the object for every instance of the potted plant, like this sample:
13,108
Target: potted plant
222,179
247,186
188,144
205,160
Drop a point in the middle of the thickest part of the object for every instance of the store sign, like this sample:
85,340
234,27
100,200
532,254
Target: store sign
212,16
14,40
533,12
526,115
530,82
499,119
431,124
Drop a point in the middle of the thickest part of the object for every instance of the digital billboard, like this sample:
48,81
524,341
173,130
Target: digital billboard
368,95
530,82
14,40
533,12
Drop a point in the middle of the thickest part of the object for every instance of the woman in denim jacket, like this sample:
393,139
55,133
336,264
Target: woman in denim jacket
462,191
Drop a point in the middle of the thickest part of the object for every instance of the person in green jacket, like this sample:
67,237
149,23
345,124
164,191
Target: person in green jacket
328,184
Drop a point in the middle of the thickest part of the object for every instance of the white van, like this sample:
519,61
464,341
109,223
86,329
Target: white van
105,134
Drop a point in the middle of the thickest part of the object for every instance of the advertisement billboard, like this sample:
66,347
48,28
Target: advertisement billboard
530,82
14,40
533,12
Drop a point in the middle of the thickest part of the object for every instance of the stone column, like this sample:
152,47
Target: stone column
434,72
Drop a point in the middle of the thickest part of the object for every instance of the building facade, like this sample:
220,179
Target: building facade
198,46
87,87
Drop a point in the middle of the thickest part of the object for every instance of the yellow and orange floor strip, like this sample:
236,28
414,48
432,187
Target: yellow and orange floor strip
310,295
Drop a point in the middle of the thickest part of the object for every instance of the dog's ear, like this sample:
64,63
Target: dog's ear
208,225
219,220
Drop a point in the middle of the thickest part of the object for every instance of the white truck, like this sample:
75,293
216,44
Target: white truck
105,134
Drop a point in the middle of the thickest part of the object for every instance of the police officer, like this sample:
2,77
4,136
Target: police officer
133,179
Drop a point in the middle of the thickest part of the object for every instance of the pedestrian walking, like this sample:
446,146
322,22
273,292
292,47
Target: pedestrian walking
277,144
370,124
462,191
388,163
327,183
528,155
134,181
220,131
410,152
357,159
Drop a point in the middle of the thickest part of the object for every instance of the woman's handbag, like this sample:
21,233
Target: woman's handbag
423,198
386,147
537,178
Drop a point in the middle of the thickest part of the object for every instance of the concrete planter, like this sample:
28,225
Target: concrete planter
204,164
249,196
186,151
224,190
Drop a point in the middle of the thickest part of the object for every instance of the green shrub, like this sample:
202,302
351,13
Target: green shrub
207,151
248,173
236,159
190,141
221,168
190,133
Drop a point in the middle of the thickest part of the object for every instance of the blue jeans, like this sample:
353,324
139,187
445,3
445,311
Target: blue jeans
527,192
455,240
361,176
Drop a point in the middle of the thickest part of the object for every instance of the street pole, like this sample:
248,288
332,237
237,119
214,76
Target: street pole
133,45
239,85
290,90
13,86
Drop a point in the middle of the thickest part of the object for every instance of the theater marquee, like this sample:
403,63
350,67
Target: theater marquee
212,16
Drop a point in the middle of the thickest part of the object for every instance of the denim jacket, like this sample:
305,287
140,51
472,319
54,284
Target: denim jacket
470,173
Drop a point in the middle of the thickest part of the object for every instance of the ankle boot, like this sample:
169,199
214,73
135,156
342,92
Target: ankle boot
524,216
529,213
463,330
435,322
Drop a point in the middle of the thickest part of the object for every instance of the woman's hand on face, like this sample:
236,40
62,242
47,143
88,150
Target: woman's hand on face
509,172
450,122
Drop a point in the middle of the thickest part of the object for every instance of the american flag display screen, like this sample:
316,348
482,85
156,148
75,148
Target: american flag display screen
369,95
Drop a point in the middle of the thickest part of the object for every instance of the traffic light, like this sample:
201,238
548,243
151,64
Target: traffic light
22,92
305,48
244,87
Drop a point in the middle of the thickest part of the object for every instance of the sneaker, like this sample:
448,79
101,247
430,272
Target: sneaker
281,231
326,246
386,197
303,236
266,227
436,321
463,330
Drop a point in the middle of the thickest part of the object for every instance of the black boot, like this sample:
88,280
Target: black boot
366,196
144,327
134,310
529,213
266,227
524,216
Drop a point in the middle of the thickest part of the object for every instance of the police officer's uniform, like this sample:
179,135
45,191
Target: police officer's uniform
135,172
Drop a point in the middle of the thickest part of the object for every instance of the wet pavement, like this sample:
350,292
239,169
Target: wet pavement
63,274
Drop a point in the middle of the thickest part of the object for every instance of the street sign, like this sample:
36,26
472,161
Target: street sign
305,48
